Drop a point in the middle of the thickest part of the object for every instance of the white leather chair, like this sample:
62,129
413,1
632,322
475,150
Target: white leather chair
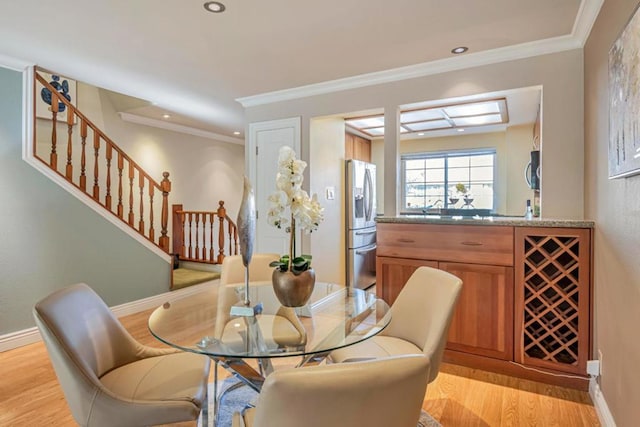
233,270
420,319
108,378
378,393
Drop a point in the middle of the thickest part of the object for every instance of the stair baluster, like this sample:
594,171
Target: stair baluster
69,169
186,237
105,157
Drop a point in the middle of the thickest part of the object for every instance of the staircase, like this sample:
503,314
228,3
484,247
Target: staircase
77,150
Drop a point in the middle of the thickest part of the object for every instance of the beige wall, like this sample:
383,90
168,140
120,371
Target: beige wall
326,169
559,74
518,145
615,206
512,152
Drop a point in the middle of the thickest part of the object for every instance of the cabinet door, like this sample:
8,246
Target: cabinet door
393,273
552,304
483,321
349,140
362,149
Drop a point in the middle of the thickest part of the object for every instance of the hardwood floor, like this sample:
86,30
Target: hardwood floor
30,394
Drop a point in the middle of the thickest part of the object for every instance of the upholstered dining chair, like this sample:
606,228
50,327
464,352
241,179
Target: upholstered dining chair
377,393
232,270
421,316
110,379
284,327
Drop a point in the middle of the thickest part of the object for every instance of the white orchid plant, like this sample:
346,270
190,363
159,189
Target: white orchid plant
290,207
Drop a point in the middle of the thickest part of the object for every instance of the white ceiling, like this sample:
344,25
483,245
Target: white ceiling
196,64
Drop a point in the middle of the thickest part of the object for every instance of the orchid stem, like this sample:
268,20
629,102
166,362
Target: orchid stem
292,243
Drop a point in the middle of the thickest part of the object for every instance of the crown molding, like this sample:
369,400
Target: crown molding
585,18
14,63
134,118
587,14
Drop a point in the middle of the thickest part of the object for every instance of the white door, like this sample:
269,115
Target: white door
265,140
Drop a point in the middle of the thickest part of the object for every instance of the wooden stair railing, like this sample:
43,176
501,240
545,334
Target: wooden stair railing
195,234
132,182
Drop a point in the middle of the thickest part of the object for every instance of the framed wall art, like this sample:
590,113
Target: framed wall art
65,86
624,101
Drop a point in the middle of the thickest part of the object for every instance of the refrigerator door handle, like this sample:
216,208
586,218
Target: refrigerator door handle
362,233
364,251
368,190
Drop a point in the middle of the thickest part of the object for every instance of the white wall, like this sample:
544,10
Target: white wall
203,171
327,170
559,74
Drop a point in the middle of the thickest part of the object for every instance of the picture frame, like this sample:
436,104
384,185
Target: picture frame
624,101
65,85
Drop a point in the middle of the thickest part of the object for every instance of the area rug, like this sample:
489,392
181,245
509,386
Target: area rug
235,400
183,277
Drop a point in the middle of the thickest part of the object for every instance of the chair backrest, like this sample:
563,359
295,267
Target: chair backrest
377,393
233,272
84,340
422,312
259,270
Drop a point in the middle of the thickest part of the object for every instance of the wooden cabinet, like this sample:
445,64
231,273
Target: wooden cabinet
394,273
356,147
525,296
553,301
481,256
483,321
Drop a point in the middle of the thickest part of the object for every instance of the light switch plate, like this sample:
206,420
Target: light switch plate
330,193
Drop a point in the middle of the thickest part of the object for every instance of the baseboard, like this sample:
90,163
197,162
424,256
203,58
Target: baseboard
19,339
31,335
604,415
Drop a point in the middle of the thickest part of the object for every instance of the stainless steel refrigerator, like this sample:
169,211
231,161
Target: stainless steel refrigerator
360,223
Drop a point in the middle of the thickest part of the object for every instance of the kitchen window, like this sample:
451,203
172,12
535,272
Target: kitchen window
450,179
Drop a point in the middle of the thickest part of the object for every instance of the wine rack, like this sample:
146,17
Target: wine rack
552,303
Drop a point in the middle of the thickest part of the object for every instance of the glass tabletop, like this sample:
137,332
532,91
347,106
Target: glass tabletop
335,317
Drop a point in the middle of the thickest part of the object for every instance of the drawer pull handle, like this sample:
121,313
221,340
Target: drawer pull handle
470,243
406,241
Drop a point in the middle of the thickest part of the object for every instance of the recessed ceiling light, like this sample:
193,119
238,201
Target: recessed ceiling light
214,6
236,133
460,130
166,116
421,134
460,49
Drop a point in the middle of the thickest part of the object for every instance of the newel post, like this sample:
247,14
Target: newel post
222,214
165,186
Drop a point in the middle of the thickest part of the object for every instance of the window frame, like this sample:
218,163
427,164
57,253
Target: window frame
446,154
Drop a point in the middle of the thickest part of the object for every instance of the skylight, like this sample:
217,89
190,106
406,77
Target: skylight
458,116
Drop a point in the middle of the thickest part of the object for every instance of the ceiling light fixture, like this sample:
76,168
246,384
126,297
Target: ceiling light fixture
214,6
236,133
458,50
166,116
460,130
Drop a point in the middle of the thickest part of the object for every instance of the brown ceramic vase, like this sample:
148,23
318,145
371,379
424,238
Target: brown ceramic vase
293,290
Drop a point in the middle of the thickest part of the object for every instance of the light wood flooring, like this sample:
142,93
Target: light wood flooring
30,394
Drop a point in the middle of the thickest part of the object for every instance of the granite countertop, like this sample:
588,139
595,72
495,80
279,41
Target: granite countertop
512,221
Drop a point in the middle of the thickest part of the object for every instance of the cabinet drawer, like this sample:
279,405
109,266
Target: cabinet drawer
475,244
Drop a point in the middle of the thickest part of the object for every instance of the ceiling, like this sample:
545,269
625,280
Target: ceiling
202,67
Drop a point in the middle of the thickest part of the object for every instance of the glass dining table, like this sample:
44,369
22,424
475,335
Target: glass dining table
333,318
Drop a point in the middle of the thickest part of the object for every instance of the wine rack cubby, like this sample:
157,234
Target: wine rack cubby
552,298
